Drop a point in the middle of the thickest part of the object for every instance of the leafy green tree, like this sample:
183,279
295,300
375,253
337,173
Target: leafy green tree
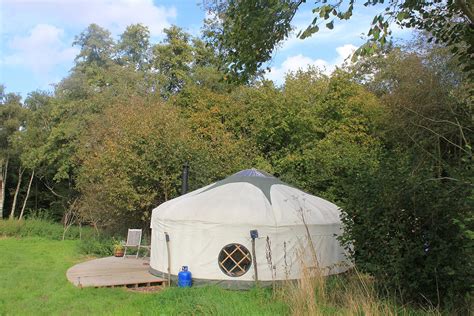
246,32
336,132
96,54
246,50
12,116
96,46
403,229
134,47
409,218
312,132
172,59
181,60
31,140
427,96
131,160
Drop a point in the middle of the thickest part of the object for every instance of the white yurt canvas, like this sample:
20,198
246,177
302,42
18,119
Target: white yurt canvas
209,231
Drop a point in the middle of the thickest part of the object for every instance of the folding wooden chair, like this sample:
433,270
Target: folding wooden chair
134,240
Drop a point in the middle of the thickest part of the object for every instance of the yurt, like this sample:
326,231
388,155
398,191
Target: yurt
248,227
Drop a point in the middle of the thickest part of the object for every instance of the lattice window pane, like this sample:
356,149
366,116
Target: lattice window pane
235,260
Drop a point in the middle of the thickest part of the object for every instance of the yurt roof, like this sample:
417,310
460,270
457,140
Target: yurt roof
260,179
250,197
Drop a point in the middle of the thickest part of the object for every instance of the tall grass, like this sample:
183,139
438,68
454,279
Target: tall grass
352,293
39,226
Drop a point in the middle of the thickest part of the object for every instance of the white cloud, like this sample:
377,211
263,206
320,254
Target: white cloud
292,64
300,62
344,53
343,31
40,50
114,15
37,34
353,30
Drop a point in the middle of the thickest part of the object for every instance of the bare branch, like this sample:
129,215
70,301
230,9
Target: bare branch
439,135
52,191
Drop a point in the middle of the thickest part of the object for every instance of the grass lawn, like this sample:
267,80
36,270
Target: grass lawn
33,281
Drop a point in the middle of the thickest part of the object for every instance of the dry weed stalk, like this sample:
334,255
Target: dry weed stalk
351,294
271,266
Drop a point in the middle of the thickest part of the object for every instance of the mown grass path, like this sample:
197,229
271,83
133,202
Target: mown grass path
33,282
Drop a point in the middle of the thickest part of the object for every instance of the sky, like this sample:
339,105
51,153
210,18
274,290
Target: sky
36,36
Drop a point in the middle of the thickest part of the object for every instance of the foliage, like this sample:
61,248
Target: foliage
232,32
414,246
96,46
131,161
118,245
134,46
412,229
388,139
101,246
245,51
351,293
40,225
105,75
305,133
43,228
181,59
332,132
173,60
12,116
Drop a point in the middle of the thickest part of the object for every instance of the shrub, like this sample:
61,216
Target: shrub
101,246
40,226
350,293
404,229
37,227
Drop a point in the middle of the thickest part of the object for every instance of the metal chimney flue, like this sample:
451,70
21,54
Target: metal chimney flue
184,185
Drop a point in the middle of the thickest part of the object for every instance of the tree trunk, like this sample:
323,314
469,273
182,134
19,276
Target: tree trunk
3,184
15,197
27,195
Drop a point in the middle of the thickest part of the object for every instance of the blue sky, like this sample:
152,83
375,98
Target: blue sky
36,35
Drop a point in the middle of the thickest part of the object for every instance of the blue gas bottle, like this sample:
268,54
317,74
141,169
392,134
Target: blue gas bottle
184,277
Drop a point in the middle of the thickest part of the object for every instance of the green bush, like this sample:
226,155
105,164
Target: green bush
403,228
43,228
40,226
101,246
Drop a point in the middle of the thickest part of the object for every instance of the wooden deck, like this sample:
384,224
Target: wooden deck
112,272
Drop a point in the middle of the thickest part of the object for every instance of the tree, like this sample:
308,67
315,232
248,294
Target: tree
312,132
402,228
48,143
27,195
409,218
12,117
338,134
134,47
30,139
428,94
234,30
17,190
96,46
245,50
172,59
131,160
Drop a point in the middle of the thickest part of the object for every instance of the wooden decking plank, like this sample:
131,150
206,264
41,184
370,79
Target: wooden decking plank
111,271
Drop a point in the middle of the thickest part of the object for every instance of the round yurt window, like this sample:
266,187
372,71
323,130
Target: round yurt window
235,260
